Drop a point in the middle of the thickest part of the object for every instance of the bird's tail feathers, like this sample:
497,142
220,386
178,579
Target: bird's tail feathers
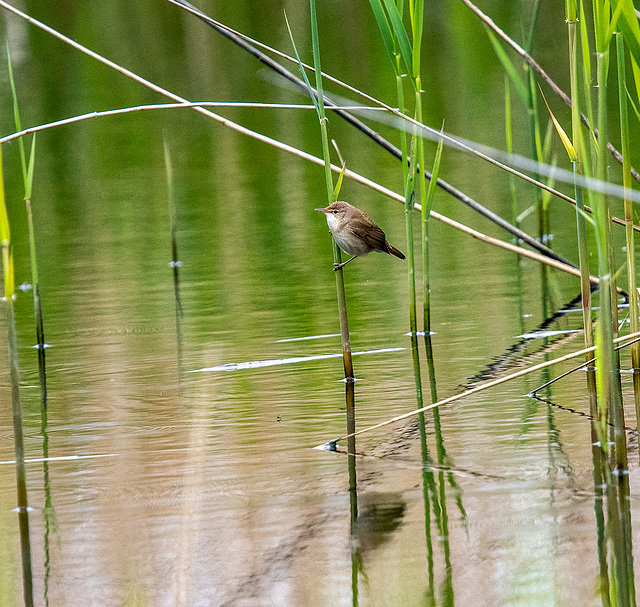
393,251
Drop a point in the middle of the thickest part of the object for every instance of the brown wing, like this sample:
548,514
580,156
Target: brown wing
371,234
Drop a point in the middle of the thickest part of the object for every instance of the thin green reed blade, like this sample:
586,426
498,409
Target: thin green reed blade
586,52
336,190
416,12
518,83
613,24
627,23
16,116
385,29
32,237
315,44
434,176
633,104
32,157
636,78
402,39
302,70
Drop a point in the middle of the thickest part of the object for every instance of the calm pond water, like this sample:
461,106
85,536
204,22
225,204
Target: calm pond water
172,481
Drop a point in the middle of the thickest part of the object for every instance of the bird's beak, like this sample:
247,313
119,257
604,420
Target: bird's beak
321,210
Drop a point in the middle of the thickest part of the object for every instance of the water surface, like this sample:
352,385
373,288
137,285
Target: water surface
168,484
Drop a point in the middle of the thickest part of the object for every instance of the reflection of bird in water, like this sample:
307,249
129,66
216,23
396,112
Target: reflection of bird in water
380,514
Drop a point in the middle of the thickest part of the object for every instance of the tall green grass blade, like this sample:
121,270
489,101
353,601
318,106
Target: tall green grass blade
636,76
27,174
315,43
426,213
320,104
32,237
532,28
534,119
32,157
635,108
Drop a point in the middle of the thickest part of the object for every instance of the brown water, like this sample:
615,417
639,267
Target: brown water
170,481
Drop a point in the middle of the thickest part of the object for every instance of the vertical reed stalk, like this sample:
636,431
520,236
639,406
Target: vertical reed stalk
606,369
597,455
175,262
319,103
27,175
625,556
508,129
21,473
318,100
583,251
542,212
628,215
405,59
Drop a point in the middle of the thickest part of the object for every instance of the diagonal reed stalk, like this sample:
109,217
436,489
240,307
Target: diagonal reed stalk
242,42
535,66
239,38
625,340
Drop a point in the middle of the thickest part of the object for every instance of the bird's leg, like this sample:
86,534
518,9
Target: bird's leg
337,266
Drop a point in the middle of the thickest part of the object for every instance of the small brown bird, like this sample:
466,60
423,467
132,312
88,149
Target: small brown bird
354,232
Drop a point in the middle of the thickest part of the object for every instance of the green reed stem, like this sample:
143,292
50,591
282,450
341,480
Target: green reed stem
175,261
389,19
581,224
628,216
27,175
508,128
342,298
606,367
416,15
21,475
318,100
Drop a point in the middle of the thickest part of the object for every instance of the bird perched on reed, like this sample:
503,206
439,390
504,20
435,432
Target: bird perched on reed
355,233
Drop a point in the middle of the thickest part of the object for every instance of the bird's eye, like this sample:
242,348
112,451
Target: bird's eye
335,211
